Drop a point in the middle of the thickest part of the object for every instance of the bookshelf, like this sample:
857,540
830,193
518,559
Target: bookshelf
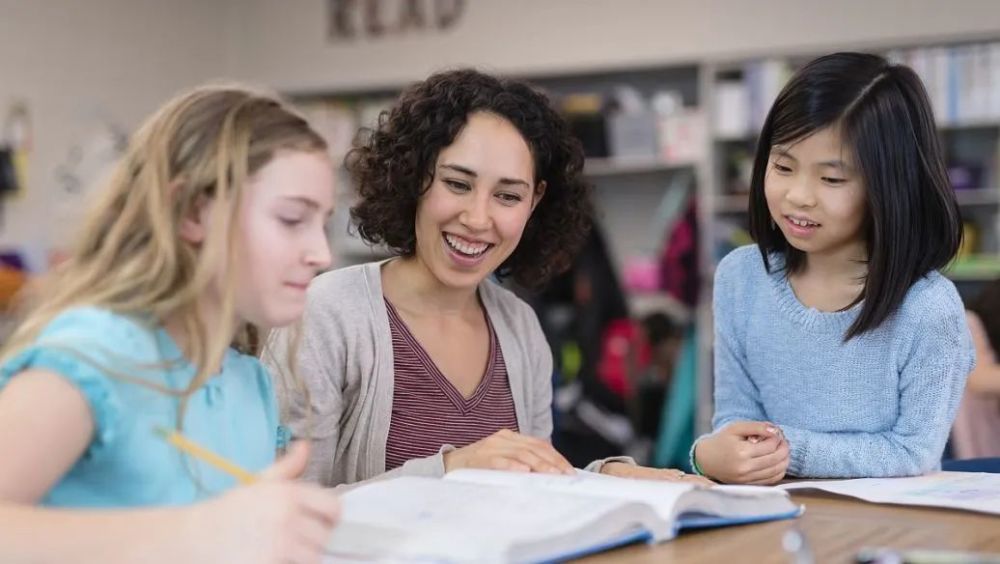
611,166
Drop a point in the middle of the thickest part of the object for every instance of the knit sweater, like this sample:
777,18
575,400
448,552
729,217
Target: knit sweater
881,404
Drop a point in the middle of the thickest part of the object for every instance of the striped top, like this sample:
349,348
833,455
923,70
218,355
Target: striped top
428,411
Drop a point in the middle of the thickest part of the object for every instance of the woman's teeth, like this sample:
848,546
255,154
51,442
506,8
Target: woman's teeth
466,248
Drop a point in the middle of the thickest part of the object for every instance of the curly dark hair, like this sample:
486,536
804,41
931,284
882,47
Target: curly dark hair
392,166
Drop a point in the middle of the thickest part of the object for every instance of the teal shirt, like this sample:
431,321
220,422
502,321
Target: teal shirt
126,464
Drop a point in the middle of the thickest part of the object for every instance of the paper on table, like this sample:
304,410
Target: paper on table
955,490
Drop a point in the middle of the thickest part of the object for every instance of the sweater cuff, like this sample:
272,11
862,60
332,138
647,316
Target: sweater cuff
430,466
596,465
798,447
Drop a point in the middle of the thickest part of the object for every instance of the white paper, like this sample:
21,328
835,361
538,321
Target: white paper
956,490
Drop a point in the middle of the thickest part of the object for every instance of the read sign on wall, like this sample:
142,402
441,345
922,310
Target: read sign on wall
351,19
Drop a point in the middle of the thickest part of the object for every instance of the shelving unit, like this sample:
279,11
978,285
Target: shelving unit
612,166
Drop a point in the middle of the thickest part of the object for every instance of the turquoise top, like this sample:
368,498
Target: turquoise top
115,361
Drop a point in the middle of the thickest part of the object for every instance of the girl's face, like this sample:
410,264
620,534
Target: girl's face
473,214
283,241
815,195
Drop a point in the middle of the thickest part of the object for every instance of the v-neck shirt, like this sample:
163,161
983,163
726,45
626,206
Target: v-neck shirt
428,411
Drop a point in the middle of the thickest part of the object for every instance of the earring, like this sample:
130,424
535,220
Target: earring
773,224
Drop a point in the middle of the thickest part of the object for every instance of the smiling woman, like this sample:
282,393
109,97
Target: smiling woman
423,364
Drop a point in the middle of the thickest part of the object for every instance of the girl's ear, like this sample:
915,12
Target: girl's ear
537,196
194,224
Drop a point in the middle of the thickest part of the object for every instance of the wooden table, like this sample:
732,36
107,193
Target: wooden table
835,528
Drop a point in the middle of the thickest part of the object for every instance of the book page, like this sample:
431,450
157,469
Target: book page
426,518
664,497
955,490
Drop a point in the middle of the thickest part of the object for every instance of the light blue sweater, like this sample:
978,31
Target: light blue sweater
879,405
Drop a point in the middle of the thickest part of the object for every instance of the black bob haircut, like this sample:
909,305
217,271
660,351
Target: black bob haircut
912,225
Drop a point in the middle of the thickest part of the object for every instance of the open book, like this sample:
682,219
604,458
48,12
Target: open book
970,491
489,516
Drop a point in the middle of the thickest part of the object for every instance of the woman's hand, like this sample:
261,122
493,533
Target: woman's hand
625,470
507,450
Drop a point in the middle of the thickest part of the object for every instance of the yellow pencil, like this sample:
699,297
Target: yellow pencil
190,447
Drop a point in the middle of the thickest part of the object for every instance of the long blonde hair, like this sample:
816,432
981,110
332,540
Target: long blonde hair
130,258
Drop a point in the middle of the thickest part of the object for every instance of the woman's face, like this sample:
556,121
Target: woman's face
473,214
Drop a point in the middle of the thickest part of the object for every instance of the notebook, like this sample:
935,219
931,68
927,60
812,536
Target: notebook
489,516
971,491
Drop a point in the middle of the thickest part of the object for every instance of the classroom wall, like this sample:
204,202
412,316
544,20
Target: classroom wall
82,64
288,47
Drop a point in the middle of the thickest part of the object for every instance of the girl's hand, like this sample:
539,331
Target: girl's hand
274,520
623,470
744,452
507,450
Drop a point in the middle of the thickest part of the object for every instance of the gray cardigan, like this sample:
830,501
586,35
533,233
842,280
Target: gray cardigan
345,360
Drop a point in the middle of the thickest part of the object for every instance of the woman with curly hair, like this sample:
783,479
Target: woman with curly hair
422,364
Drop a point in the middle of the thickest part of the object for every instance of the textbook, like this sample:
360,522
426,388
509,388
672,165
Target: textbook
969,491
492,516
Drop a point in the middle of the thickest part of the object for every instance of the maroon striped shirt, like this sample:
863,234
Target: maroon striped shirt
428,411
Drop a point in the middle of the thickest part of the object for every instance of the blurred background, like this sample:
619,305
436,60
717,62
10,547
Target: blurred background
666,97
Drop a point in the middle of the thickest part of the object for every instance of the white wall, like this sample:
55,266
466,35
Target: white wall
72,61
286,46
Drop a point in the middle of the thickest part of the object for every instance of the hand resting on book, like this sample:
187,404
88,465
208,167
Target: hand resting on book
507,450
